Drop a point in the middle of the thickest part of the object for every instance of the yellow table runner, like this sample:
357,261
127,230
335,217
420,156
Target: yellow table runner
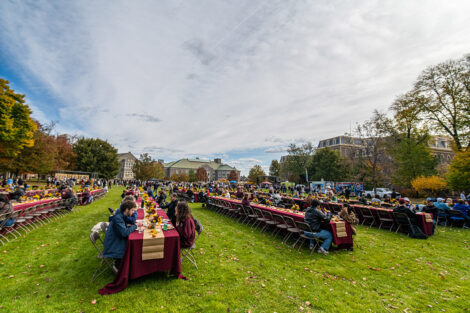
428,217
153,247
340,229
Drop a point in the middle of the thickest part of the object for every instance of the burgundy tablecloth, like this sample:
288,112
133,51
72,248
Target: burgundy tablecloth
22,206
342,242
133,267
425,226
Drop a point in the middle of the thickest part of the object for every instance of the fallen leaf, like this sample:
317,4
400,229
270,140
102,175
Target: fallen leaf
93,301
41,266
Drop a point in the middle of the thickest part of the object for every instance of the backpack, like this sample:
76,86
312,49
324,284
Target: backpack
417,233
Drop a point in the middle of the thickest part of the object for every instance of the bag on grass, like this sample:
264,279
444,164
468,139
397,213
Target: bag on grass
417,233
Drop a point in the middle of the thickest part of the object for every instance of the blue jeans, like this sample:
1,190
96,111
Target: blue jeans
323,234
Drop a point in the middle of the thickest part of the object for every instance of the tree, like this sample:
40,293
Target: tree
429,185
16,125
275,168
201,174
192,175
145,168
255,174
327,164
442,92
233,175
459,172
65,158
96,155
372,158
297,161
408,142
39,158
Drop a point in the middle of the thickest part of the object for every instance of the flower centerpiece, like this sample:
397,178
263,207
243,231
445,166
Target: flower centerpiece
295,207
36,197
269,203
255,200
232,196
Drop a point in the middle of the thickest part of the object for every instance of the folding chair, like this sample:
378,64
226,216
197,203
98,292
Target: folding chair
281,225
260,218
456,216
386,217
252,216
402,220
304,227
291,229
367,216
270,220
186,253
105,262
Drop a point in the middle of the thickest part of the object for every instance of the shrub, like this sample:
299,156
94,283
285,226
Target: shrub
459,172
429,185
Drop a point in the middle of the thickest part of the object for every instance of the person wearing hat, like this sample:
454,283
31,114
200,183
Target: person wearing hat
441,205
402,208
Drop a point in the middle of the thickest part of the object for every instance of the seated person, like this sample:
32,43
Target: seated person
276,198
190,194
17,194
239,193
185,225
227,194
465,209
315,218
118,232
68,193
5,208
161,198
403,209
150,193
430,208
86,196
348,215
245,201
441,205
171,207
130,220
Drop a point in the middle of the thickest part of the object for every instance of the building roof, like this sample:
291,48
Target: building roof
126,155
196,163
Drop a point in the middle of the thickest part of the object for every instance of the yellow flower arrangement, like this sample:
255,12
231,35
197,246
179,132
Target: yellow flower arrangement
232,196
295,207
36,197
269,202
255,200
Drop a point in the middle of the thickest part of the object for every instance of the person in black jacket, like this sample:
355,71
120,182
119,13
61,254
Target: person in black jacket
171,208
403,209
161,198
430,208
315,218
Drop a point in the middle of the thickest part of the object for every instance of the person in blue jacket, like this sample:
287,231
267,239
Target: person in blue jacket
118,232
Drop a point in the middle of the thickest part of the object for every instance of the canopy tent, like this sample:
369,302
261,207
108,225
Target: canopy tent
233,181
266,183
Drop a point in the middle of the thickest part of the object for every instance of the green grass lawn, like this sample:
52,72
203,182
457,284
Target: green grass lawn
240,270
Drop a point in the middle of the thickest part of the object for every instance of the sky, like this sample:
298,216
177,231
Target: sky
238,80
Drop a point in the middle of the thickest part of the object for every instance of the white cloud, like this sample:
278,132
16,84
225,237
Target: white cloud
202,78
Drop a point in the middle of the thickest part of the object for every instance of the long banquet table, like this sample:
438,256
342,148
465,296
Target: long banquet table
26,205
341,242
133,267
427,227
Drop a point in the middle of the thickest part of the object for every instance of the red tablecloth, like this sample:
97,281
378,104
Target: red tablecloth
342,242
133,267
26,205
425,226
